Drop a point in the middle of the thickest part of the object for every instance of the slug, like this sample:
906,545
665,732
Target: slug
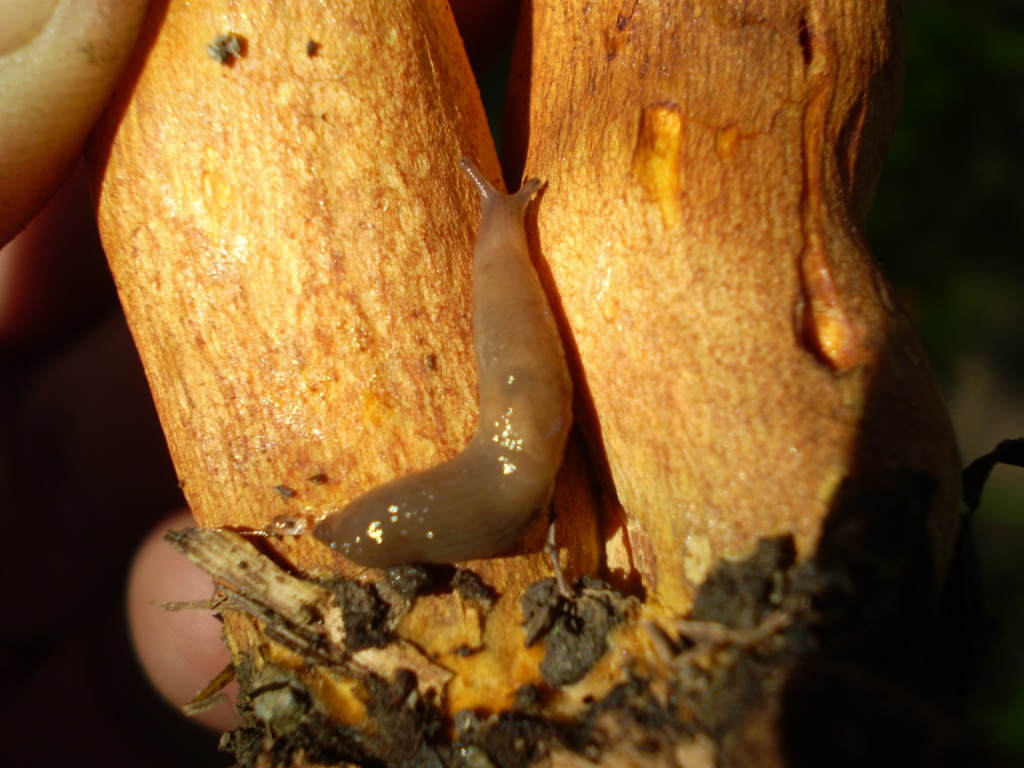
480,502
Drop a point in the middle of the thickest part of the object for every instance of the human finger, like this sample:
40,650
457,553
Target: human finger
180,651
57,69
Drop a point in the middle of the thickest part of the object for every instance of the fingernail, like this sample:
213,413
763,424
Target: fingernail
21,21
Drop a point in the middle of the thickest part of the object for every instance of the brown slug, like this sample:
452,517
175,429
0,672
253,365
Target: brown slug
481,501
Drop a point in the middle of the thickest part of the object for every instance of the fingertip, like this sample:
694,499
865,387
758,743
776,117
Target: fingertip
180,651
23,20
52,89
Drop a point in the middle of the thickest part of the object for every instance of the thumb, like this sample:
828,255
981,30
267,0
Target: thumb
59,61
179,651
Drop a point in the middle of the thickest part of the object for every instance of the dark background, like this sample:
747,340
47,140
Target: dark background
947,226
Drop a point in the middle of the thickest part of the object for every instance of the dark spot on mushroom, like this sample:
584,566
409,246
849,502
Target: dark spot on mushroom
227,48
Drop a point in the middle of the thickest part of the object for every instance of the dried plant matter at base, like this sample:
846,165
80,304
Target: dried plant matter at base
308,620
774,648
575,629
333,682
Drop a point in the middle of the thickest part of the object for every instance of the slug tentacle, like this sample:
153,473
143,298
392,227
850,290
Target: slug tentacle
482,185
480,502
